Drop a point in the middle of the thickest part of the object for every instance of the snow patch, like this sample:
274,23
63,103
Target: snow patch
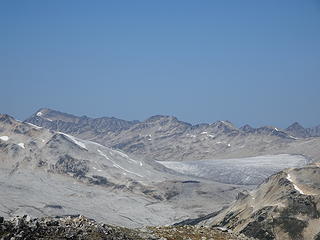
80,144
40,114
35,126
4,138
118,166
121,154
293,137
294,185
129,171
191,135
208,135
125,156
21,145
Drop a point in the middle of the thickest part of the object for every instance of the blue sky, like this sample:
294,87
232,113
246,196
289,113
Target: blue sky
248,61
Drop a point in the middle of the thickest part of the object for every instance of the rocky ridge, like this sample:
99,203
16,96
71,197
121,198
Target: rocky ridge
299,131
165,138
82,228
286,206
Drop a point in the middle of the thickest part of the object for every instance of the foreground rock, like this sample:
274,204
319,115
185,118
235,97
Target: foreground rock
79,227
61,228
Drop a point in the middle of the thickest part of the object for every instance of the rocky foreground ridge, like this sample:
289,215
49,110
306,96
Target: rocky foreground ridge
82,228
286,206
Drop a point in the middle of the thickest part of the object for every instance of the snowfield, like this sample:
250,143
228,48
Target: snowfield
245,171
4,138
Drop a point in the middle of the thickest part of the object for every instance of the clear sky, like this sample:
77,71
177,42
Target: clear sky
247,61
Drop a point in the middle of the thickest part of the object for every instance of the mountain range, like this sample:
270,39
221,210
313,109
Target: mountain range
165,138
44,172
258,183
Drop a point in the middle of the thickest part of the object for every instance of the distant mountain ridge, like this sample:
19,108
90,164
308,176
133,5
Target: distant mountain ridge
105,124
65,122
167,138
299,131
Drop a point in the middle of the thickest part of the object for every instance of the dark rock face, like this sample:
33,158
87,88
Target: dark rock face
68,164
293,226
6,119
258,230
99,180
299,131
315,131
247,129
317,237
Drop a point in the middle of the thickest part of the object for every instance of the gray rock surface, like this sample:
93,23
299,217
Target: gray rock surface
298,131
286,206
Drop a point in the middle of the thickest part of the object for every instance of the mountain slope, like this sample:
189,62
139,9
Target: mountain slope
285,206
43,172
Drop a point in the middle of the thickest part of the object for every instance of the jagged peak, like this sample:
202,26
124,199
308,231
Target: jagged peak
295,125
224,123
44,112
247,128
160,117
5,118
